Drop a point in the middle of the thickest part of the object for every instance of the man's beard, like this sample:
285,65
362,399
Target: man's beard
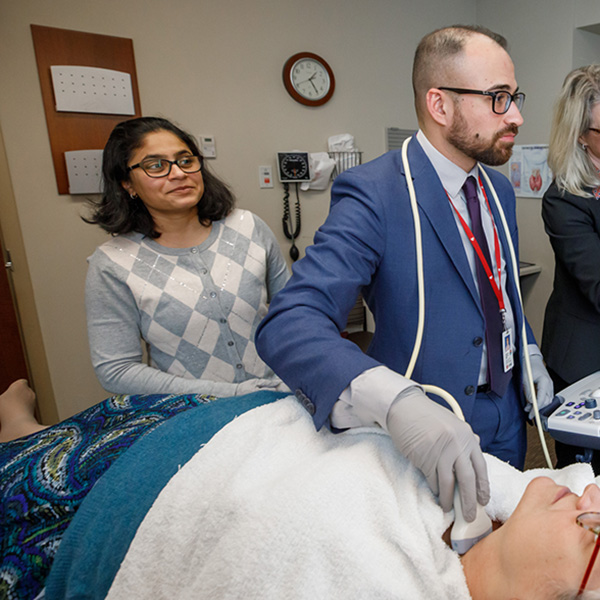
488,153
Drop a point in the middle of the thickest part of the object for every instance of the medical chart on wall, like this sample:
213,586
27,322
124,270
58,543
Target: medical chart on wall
530,174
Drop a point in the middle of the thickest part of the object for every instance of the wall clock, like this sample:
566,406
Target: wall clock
308,79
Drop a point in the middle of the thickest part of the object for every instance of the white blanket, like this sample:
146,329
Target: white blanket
272,509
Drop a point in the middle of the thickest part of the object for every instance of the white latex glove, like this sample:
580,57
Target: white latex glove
443,447
255,385
544,385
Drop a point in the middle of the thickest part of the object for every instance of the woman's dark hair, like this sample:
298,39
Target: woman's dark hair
116,212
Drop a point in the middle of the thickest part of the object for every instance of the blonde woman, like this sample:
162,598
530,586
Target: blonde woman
571,213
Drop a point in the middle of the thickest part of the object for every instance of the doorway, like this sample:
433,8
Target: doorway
22,352
13,364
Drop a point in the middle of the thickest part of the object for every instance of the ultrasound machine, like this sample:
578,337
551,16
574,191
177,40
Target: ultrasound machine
573,417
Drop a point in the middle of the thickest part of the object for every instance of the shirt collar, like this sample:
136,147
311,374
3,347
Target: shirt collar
450,174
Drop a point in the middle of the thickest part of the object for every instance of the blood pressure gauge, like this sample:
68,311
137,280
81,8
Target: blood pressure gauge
293,166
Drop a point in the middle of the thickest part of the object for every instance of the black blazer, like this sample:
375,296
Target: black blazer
571,337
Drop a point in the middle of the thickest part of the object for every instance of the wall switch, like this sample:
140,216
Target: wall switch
265,176
208,146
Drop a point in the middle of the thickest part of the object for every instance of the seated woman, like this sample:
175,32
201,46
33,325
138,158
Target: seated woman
185,271
269,508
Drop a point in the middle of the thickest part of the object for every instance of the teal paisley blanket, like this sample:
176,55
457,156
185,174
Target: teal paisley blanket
45,477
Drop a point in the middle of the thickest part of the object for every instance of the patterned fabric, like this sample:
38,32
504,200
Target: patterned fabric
197,308
44,478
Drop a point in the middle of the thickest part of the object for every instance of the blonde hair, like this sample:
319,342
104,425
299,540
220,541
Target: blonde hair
572,168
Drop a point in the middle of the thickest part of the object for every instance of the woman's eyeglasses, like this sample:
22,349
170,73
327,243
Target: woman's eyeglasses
161,167
591,522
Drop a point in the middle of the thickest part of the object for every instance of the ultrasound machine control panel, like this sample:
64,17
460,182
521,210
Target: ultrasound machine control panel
574,415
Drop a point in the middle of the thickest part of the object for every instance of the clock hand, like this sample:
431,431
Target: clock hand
309,79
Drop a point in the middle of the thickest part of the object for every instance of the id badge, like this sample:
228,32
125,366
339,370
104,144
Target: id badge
507,349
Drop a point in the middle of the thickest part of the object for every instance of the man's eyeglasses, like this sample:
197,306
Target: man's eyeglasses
501,101
590,521
161,167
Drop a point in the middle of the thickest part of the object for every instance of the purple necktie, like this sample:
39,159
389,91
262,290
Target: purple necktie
497,378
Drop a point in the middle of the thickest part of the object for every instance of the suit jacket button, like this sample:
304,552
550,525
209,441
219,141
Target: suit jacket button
469,390
477,342
306,402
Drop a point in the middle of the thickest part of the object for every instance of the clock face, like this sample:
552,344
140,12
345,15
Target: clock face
308,79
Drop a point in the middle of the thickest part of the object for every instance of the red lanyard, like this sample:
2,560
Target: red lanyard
488,271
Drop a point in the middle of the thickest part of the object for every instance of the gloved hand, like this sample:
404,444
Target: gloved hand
544,385
254,385
443,447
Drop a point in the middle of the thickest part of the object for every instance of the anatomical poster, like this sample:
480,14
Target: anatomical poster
529,172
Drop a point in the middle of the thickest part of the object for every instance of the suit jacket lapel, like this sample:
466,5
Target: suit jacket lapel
435,207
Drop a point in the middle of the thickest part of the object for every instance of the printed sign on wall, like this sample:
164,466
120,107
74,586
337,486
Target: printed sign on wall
93,90
530,174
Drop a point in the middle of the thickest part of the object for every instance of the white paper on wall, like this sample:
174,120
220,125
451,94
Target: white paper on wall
84,169
93,90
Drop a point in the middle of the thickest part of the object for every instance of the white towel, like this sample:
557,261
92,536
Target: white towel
507,484
272,509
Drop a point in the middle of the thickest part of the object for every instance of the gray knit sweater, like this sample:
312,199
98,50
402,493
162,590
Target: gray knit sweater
196,309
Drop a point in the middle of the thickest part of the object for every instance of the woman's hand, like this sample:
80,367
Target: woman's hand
255,385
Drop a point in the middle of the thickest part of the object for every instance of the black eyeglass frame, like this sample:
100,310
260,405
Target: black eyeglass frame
517,97
171,163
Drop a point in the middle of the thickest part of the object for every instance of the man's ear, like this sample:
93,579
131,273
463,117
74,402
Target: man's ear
439,106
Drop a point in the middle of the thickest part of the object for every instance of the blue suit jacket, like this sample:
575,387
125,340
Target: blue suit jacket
367,244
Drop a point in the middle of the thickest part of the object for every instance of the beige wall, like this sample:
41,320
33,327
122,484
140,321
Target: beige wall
215,67
545,45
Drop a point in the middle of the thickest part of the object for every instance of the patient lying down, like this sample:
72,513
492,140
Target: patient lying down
540,552
270,508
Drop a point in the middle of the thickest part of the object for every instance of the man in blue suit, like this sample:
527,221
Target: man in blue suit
468,108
